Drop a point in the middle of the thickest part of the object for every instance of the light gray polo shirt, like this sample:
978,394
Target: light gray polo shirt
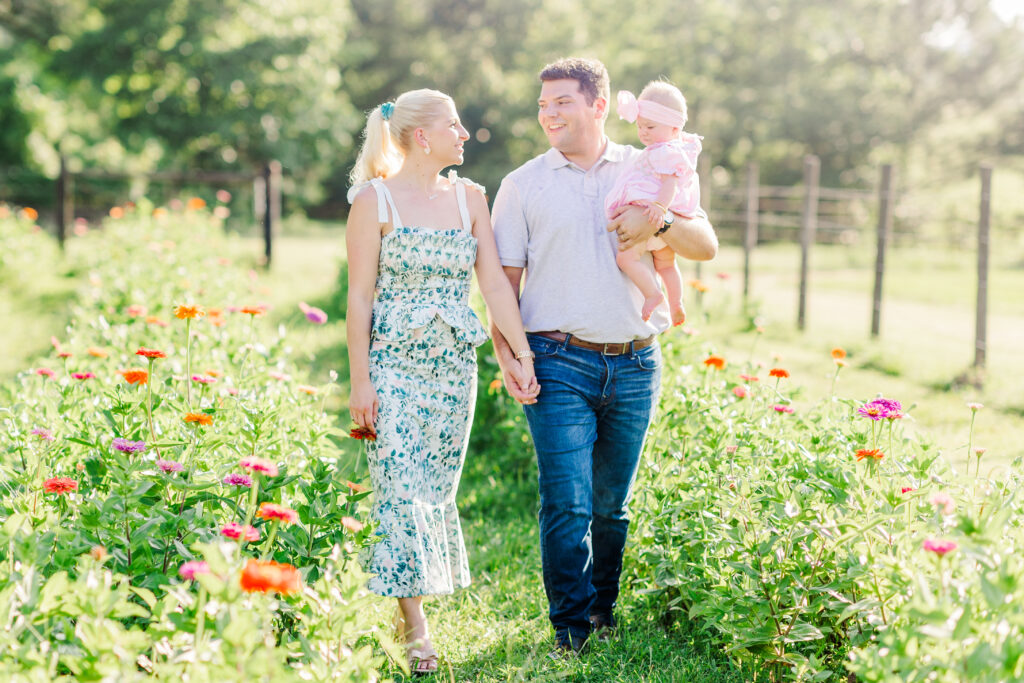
549,218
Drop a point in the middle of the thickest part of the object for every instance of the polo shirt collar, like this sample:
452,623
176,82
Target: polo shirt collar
613,152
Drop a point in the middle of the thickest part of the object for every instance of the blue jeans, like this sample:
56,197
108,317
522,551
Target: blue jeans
588,428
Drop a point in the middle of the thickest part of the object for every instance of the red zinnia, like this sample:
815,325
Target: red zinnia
135,376
873,453
778,372
266,575
362,433
274,511
60,485
715,362
150,353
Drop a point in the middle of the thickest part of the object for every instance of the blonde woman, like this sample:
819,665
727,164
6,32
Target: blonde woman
413,238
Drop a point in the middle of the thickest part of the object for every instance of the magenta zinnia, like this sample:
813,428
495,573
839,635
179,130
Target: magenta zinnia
190,570
234,531
235,479
939,546
262,465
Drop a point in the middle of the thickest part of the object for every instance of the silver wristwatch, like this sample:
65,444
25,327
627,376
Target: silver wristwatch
669,219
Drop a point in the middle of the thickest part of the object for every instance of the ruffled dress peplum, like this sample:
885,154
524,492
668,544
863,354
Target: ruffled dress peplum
423,366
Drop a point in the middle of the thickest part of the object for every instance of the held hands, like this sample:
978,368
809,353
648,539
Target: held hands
363,405
632,226
520,380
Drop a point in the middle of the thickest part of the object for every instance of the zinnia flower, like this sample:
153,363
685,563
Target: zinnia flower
266,575
741,392
943,501
778,372
188,312
270,511
749,378
45,372
195,203
838,353
715,362
169,466
64,354
731,449
254,464
355,488
362,433
975,407
891,408
313,315
154,320
150,353
136,310
128,446
873,453
60,485
202,379
135,376
939,546
306,389
254,311
190,570
875,412
235,479
98,553
780,408
495,385
698,285
201,418
234,531
83,375
43,434
352,524
29,213
907,489
96,352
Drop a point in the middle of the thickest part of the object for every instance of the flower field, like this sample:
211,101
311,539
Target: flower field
173,501
176,503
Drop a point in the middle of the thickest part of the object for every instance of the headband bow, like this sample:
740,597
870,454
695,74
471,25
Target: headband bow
630,108
386,110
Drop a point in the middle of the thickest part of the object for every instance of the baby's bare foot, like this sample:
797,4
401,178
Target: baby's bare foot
678,314
650,303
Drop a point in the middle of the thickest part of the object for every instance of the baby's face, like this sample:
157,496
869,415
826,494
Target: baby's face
652,133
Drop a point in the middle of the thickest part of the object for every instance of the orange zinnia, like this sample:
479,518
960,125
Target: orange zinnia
306,389
264,576
355,488
838,353
873,453
135,376
189,312
715,362
274,511
778,372
95,352
196,203
201,418
116,212
60,485
30,213
253,310
150,353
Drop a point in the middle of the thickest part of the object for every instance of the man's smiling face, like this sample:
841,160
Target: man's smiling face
569,122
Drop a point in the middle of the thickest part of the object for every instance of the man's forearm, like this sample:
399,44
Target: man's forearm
692,238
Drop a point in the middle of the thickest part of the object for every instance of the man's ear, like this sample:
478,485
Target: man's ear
601,106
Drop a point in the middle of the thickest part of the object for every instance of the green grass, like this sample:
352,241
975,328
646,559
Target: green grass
498,629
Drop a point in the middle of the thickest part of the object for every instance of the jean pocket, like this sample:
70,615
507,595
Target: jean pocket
543,347
649,358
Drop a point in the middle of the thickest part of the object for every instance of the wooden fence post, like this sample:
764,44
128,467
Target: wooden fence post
704,173
884,225
750,232
808,226
271,205
65,201
984,218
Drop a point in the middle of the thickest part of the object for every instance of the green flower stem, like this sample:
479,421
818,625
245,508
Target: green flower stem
251,510
200,617
149,406
268,547
970,441
188,362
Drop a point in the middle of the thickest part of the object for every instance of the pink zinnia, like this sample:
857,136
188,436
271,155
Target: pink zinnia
749,378
190,570
43,434
170,466
939,546
235,479
741,392
203,379
779,408
45,372
254,464
313,314
944,501
234,531
872,411
731,449
83,375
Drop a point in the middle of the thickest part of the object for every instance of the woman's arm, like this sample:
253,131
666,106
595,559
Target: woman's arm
362,242
502,302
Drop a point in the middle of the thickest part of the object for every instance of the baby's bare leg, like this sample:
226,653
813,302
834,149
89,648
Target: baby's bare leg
665,264
629,263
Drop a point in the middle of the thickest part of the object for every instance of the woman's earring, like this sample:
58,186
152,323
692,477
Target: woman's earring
426,149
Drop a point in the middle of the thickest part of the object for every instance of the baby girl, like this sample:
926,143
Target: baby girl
663,179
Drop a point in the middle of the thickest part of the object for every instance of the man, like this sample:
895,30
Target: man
597,361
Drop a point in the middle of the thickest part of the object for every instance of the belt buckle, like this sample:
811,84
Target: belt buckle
604,349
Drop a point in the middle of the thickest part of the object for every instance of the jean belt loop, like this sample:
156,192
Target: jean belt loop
632,349
565,342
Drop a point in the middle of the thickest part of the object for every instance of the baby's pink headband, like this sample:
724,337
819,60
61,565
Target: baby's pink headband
629,108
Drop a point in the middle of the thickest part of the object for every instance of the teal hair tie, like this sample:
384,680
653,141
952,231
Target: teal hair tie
386,109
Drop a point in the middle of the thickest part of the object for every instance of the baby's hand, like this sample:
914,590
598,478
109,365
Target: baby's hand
654,215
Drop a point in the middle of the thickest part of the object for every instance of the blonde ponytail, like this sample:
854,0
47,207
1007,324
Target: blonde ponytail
386,142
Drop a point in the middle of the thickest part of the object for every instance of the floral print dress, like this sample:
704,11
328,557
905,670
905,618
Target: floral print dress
423,367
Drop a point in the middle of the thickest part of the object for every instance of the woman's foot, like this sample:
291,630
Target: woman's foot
650,303
423,660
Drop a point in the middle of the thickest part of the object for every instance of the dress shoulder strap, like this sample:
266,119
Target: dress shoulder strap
460,195
384,200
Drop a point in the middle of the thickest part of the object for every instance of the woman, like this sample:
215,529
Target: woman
412,339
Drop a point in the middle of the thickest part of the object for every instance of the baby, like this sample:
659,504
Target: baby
662,179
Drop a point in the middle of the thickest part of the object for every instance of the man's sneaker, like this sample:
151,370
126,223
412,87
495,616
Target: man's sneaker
567,646
604,626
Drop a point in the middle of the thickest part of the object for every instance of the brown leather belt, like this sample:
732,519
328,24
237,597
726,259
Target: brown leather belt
610,349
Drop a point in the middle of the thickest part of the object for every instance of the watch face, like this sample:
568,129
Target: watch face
669,217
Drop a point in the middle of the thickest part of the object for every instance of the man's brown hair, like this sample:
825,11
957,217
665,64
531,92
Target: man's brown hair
591,75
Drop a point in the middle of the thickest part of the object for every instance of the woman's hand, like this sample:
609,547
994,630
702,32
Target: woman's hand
521,373
363,405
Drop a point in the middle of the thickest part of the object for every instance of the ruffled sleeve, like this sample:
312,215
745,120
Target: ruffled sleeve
454,177
678,157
